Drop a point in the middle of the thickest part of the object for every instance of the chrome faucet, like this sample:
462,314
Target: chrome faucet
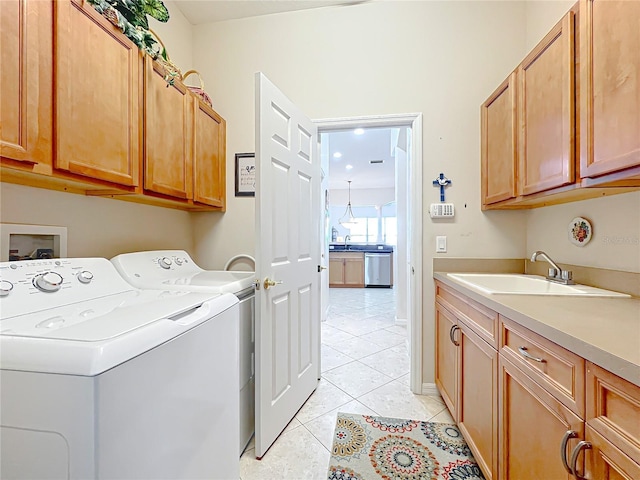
346,239
555,274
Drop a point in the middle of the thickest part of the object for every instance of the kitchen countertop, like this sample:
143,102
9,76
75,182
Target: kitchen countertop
361,247
605,331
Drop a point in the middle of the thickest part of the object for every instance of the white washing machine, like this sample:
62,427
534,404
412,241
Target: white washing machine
100,380
175,269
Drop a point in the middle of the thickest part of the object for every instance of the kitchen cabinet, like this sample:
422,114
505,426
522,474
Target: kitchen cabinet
606,462
609,92
346,269
466,372
26,36
97,88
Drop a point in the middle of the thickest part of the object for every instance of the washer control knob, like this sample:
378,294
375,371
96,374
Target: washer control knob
5,288
179,261
85,276
165,262
48,282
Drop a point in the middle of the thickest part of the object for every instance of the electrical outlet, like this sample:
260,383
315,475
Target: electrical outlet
441,244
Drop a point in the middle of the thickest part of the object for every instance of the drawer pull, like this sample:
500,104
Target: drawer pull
574,458
525,354
452,333
563,449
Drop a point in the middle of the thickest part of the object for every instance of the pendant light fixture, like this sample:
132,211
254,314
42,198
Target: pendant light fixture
348,220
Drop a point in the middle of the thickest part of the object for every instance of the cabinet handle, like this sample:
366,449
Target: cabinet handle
525,354
563,449
452,332
574,458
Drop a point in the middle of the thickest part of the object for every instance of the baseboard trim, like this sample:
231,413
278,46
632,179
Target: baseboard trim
401,322
430,389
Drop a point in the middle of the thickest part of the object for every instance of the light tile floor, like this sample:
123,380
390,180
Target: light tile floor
365,369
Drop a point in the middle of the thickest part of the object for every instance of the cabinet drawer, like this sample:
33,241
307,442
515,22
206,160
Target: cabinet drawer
556,369
613,409
481,319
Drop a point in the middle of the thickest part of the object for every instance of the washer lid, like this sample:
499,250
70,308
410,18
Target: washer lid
90,337
212,281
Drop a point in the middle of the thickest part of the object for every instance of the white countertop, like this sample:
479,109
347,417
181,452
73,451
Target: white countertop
605,331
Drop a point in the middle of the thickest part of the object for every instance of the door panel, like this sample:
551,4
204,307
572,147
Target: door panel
287,252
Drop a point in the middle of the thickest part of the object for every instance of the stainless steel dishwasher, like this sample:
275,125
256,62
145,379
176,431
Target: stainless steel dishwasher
377,269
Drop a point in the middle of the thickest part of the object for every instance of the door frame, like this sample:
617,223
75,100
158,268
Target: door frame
413,121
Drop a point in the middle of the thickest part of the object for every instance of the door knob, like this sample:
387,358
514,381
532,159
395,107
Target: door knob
270,283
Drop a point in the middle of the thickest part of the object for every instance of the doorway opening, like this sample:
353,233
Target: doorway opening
382,158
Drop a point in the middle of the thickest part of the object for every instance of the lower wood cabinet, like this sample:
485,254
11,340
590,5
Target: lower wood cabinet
531,409
533,425
346,269
462,359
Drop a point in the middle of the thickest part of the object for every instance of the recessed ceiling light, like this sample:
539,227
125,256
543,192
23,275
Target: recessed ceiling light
337,155
359,131
349,167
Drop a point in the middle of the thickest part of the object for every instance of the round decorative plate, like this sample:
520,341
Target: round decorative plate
580,231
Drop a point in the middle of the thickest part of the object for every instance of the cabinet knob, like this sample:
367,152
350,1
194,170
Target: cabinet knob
582,445
563,449
452,333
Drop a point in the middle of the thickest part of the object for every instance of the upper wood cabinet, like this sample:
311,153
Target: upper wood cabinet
577,114
209,156
26,34
81,103
546,112
499,143
609,88
167,134
185,146
97,92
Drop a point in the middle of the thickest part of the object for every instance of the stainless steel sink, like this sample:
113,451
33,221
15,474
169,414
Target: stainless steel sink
516,284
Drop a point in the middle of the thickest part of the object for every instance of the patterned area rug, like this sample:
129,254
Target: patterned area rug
372,448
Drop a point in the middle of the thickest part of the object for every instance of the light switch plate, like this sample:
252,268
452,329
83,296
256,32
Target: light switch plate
441,244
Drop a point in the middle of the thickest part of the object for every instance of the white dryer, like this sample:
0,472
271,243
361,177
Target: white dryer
175,269
100,380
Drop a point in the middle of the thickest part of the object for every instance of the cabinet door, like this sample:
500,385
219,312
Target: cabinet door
447,358
606,462
168,142
532,426
354,271
499,143
546,112
26,34
336,270
209,156
478,399
97,92
609,86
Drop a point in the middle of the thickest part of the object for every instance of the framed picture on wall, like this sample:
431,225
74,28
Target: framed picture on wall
245,174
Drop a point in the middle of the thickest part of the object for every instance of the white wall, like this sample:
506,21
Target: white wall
97,227
344,61
105,227
541,16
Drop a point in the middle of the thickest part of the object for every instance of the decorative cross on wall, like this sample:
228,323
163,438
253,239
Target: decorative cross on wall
441,182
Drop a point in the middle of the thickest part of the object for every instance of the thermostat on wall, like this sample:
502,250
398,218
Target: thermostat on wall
441,210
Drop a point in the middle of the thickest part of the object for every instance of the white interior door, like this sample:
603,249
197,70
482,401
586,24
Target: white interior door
287,254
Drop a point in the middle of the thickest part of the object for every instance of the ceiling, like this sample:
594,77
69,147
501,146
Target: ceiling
358,151
205,11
